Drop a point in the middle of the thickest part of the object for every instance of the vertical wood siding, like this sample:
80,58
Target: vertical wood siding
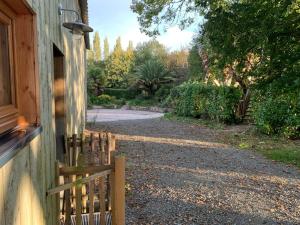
25,179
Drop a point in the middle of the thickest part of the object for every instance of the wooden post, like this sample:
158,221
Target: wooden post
102,148
118,210
113,143
68,203
78,193
110,184
75,152
102,200
108,147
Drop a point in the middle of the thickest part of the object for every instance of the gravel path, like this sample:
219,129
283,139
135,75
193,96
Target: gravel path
178,174
108,115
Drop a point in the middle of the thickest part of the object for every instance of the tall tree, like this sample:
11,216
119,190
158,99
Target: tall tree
130,51
90,56
118,66
177,64
97,47
195,64
150,50
118,47
106,49
130,47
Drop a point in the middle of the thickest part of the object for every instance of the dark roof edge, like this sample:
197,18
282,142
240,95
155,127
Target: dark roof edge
85,19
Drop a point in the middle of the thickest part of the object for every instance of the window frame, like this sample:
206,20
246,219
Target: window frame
9,113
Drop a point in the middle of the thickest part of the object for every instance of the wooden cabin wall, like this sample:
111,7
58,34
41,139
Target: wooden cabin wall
25,179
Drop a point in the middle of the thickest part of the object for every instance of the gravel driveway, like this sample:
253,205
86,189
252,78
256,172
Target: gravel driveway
178,174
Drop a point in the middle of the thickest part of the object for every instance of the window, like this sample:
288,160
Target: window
5,74
8,109
19,84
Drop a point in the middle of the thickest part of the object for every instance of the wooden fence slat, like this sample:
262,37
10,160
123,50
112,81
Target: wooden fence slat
75,151
102,200
84,198
91,202
102,148
113,142
68,204
78,195
108,147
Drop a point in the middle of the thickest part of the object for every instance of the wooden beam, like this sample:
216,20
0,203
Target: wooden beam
76,182
74,170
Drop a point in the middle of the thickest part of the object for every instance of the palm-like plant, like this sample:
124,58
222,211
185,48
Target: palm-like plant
151,75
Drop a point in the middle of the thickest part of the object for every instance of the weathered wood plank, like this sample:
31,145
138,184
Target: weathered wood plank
102,200
91,202
78,194
74,183
83,170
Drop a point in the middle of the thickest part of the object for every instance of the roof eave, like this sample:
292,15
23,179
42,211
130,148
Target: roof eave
85,19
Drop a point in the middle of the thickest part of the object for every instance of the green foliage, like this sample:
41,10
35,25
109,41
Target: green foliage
196,99
118,66
277,114
163,92
142,102
151,75
121,93
151,50
153,13
177,64
106,100
106,49
96,79
254,44
195,64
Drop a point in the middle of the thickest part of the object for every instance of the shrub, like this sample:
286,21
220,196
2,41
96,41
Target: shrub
121,93
106,100
151,75
163,92
142,102
197,99
277,114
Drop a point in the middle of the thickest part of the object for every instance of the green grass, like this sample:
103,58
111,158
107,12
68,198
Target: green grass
143,102
284,155
272,147
208,123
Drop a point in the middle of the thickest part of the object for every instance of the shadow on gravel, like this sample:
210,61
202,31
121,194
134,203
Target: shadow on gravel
179,175
194,214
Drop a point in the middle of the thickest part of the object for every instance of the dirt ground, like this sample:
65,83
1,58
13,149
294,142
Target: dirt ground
178,174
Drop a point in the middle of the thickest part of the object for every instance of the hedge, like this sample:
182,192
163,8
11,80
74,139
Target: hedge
277,114
121,93
197,99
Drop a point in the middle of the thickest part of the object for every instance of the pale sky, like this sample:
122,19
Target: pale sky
113,18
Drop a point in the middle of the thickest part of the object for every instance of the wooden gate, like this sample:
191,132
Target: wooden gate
91,184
